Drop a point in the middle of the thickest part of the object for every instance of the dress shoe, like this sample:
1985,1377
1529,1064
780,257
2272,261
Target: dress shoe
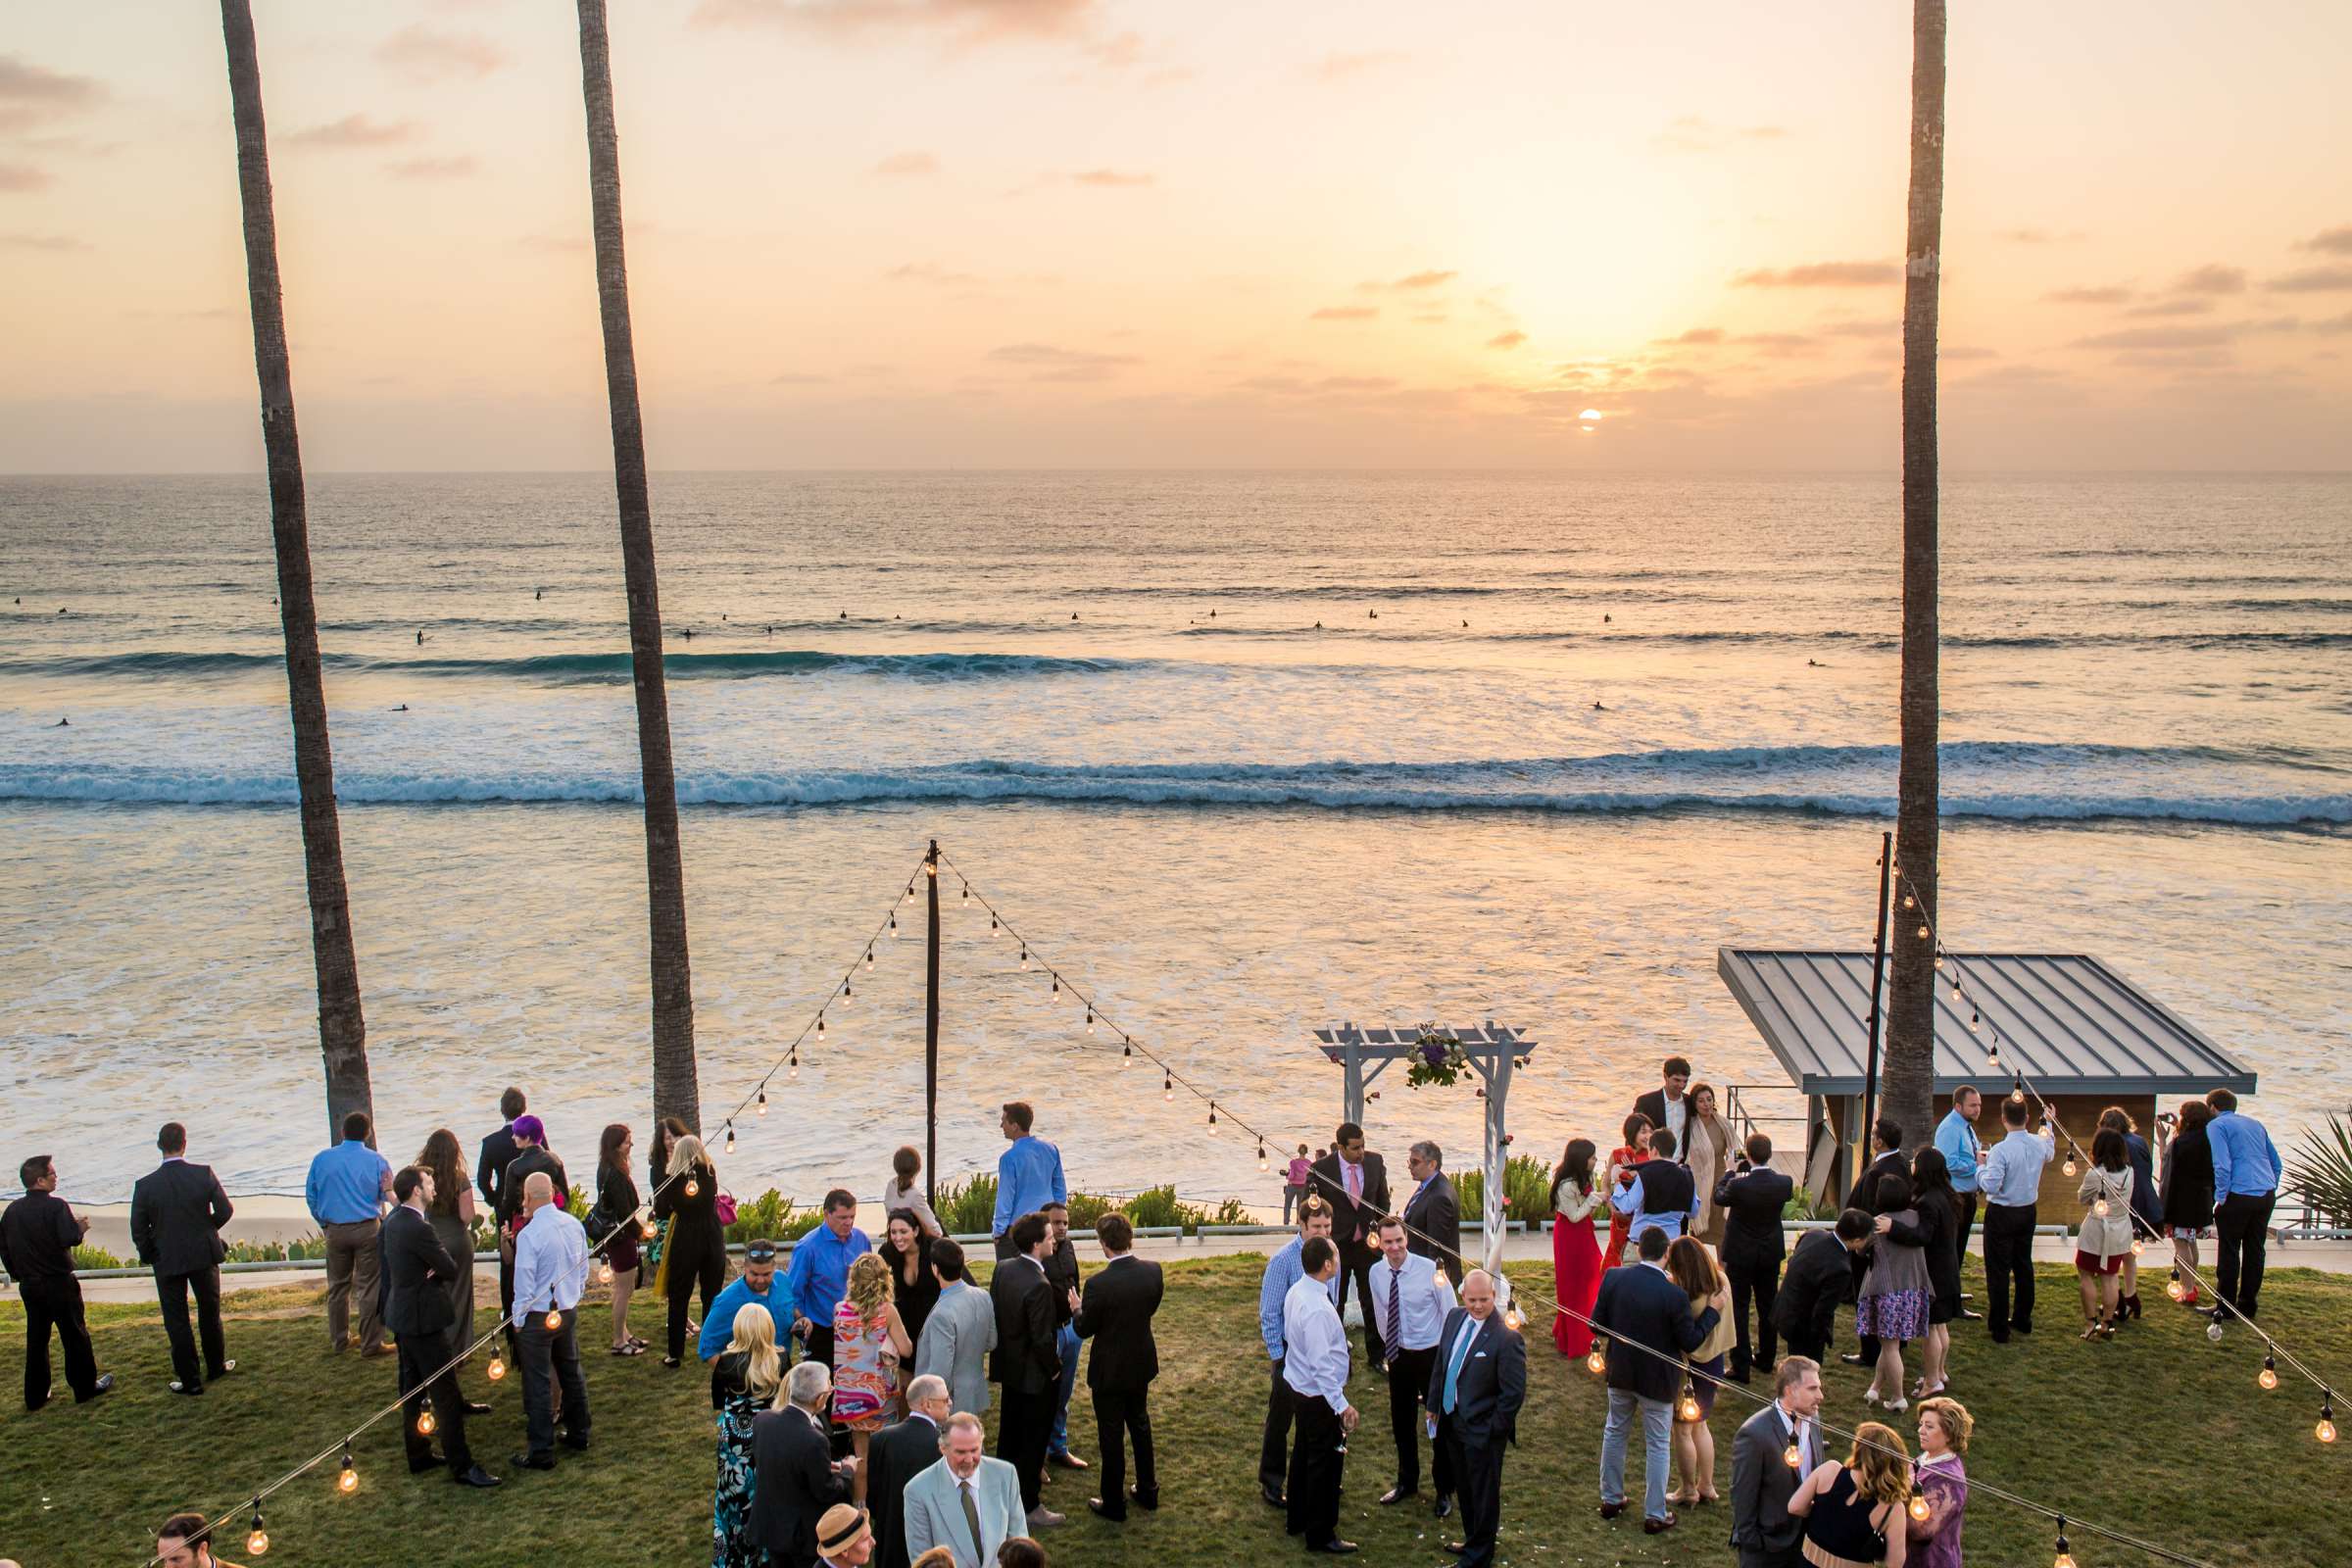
1851,1358
178,1387
1338,1548
476,1407
473,1476
1457,1548
430,1461
526,1462
1149,1504
104,1384
1971,1314
1610,1510
577,1444
1273,1495
1066,1459
2025,1328
1443,1508
1096,1507
1396,1494
1043,1518
1659,1526
225,1368
379,1351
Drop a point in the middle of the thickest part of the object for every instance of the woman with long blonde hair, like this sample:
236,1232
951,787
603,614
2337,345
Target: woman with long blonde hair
695,1250
1854,1512
870,1343
743,1380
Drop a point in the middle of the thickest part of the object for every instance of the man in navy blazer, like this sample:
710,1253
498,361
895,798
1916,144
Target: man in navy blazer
176,1211
1647,1320
1476,1384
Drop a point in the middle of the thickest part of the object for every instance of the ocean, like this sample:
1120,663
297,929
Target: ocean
1241,755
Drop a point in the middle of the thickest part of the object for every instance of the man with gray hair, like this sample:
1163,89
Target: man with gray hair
967,1504
795,1476
895,1455
1433,1216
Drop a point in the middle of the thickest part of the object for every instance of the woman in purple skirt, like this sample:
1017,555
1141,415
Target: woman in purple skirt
1893,1301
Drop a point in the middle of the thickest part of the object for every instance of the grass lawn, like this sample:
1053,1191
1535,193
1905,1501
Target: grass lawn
2159,1433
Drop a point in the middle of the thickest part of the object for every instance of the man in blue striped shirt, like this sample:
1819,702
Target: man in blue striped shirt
1283,1270
2245,1188
1028,1175
2011,1180
1963,1155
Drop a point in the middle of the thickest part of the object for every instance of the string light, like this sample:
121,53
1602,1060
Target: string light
1212,1119
1920,1510
820,1026
1939,961
730,1137
604,1273
1597,1362
2066,1558
1168,1085
425,1422
2213,1329
869,958
2268,1378
693,1188
257,1540
1127,1051
1687,1408
646,1231
2173,1288
930,867
497,1368
2017,1096
792,1072
1793,1456
894,923
1262,1155
1910,902
1024,956
555,1319
2325,1431
2100,1207
2071,1168
991,922
1922,933
763,1109
1055,988
1089,1020
844,992
349,1479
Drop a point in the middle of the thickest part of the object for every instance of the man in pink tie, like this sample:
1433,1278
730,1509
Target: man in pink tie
1355,1183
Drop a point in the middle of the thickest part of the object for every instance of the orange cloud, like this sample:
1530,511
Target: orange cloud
433,168
2333,241
1822,274
1408,283
354,130
1689,134
42,242
23,177
2099,294
2312,280
966,22
30,93
2211,278
1346,313
908,164
1340,66
424,55
1111,178
1506,340
2041,236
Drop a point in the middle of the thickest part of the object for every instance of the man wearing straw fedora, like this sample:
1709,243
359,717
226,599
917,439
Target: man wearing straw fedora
843,1540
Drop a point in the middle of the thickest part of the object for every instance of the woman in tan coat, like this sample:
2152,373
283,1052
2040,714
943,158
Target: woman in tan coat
1708,1150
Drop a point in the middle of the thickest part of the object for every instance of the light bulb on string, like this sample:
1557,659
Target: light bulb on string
763,1106
1024,956
1685,1408
1793,1456
1212,1119
603,1274
730,1137
257,1540
869,958
846,993
1940,960
930,869
1922,933
425,1422
2017,1096
2066,1558
792,1071
2213,1329
349,1478
2139,1247
555,1319
967,892
2268,1378
2099,1208
992,921
820,1026
1597,1362
1920,1510
693,1188
1055,988
646,1232
2325,1429
1127,1052
1089,1020
2070,1169
1261,1154
497,1368
1976,1022
894,922
1910,902
2173,1288
1167,1086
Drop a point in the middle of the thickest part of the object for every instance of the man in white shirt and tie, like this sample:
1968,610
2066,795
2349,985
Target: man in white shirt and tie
1410,1297
1314,1364
550,1270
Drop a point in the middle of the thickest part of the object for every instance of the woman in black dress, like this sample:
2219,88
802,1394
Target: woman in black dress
1938,1234
2187,1194
694,1252
914,1288
614,1222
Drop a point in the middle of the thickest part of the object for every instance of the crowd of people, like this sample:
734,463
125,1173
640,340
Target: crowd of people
852,1399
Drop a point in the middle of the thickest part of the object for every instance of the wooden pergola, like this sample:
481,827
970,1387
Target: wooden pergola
1492,1050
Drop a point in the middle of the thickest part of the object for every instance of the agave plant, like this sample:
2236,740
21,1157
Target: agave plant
2322,1169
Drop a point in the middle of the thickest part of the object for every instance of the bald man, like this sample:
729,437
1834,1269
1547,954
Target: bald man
1477,1386
550,1270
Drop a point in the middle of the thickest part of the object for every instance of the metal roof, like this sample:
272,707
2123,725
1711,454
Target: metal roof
2066,1021
1402,1037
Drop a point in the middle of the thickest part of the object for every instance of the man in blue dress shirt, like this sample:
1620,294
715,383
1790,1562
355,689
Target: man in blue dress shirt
2245,1188
820,1273
1964,1156
751,1285
1282,1272
1028,1174
347,1189
2011,1180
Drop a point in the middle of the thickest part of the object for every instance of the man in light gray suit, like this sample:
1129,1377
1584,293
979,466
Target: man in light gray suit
967,1503
1765,1475
959,1333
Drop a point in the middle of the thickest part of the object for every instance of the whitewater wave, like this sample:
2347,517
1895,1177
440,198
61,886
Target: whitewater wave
2005,780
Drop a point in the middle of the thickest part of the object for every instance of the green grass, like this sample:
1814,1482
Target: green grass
2158,1432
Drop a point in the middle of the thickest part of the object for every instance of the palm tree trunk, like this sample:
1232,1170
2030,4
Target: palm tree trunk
342,1029
1910,1080
674,1089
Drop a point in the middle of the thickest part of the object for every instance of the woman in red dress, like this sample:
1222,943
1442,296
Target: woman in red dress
1576,1196
1622,1160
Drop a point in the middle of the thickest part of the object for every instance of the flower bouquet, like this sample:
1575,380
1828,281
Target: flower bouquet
1437,1059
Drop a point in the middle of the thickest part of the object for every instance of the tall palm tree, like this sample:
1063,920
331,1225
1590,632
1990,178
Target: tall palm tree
1910,1077
342,1029
674,1089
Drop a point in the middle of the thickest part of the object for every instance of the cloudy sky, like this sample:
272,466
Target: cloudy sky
1103,234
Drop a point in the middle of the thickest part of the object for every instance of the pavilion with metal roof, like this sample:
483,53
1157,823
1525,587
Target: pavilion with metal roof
2083,1034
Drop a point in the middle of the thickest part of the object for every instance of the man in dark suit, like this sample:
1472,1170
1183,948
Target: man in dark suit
1763,1479
895,1455
1026,1364
1753,1196
1115,1313
1647,1320
1886,1160
415,1270
795,1477
490,1176
1433,1216
39,1232
1476,1384
1355,1184
1665,1105
176,1211
1819,1277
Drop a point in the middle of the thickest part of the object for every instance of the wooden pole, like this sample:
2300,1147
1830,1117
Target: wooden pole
931,1034
1878,981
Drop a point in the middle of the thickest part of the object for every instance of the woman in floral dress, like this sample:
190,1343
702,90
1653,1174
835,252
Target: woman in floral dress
869,1342
743,1383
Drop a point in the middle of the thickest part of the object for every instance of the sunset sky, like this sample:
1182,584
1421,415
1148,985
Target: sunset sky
1085,234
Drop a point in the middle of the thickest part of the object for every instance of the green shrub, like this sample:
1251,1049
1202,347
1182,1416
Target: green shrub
1526,1190
1802,1205
87,1256
276,1252
765,1216
967,1206
2321,1168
